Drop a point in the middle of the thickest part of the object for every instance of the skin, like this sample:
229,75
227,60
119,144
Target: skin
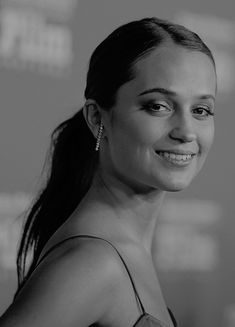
134,176
179,124
126,195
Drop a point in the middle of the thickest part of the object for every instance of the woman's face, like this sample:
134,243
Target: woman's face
162,126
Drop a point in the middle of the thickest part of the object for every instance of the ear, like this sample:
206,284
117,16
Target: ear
92,115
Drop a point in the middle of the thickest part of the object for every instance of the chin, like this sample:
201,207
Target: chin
176,188
175,182
175,185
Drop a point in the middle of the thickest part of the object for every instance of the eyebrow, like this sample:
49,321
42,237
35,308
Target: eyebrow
172,93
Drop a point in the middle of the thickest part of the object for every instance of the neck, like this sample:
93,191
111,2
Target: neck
134,212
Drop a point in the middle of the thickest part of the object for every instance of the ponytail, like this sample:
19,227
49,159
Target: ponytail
72,167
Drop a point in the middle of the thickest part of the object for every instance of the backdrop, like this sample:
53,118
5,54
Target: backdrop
44,52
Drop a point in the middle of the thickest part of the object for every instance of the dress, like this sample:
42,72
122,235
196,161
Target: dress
145,319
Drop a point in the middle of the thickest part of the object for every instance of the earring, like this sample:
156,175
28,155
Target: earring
99,137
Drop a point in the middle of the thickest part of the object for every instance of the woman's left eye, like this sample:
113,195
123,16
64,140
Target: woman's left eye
203,112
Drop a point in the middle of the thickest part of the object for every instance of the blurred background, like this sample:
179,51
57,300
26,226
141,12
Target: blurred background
45,47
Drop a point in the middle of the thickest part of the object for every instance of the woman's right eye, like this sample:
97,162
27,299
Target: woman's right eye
156,107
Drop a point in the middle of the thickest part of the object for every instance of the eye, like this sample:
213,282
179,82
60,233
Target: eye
156,107
203,112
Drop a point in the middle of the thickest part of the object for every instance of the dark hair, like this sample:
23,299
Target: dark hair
73,160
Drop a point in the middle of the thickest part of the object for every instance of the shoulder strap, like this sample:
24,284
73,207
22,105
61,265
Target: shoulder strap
172,317
99,238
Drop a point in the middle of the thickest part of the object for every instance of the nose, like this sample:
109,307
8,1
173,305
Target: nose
183,130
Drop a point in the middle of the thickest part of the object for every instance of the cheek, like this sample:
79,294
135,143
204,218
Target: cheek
131,142
131,132
142,130
207,137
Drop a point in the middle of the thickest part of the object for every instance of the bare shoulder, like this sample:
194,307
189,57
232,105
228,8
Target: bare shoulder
76,285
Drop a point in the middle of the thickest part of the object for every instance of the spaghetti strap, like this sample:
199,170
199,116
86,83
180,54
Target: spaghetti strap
99,238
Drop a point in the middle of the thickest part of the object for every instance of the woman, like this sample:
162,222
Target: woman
146,128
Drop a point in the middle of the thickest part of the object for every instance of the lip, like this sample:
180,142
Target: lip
178,151
173,162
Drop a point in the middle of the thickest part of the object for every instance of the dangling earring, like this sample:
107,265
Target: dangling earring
99,137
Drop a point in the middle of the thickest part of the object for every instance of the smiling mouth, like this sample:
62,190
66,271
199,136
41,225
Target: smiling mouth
179,159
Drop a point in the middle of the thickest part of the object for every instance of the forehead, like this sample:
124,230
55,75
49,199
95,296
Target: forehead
175,67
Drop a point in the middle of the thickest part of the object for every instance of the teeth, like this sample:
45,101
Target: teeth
173,156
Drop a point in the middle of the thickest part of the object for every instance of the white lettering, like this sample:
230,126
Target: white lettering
27,37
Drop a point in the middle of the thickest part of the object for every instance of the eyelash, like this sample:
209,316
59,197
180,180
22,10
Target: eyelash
208,111
150,107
